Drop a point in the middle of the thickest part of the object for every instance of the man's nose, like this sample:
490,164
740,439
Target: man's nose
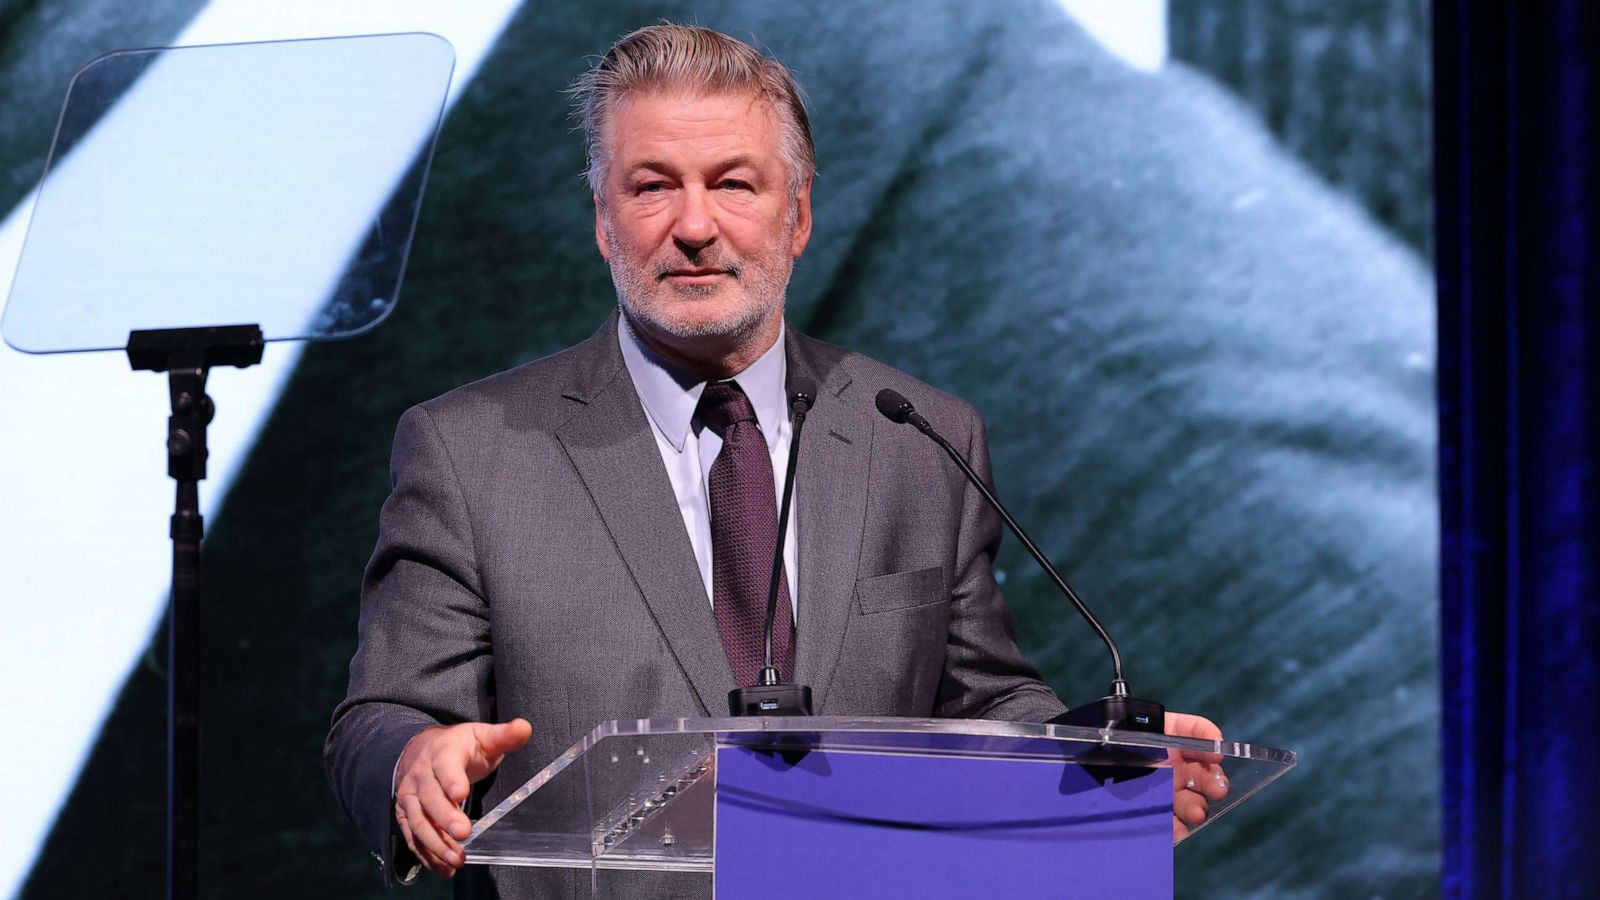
696,225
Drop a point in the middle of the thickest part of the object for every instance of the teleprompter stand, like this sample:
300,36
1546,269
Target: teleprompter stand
187,355
313,155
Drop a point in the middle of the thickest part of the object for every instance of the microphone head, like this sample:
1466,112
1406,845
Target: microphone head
802,390
895,407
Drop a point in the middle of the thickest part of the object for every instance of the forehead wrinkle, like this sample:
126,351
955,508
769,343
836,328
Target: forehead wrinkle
726,164
689,114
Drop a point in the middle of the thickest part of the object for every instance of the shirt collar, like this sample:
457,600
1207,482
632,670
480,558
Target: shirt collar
670,394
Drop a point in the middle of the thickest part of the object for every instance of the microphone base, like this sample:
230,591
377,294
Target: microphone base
1114,765
770,700
1116,713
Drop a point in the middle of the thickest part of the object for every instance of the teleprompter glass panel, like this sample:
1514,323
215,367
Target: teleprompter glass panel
638,794
272,183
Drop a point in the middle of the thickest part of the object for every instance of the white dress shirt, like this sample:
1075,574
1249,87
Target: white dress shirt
688,449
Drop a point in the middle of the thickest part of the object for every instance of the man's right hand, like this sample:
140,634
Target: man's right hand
436,772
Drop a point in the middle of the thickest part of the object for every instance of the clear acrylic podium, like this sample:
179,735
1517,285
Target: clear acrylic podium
870,806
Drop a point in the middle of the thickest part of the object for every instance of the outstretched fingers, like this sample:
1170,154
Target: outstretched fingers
442,811
437,769
437,851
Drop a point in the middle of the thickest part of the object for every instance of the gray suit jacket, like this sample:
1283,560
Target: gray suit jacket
531,562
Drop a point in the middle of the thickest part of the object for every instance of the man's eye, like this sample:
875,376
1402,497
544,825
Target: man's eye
734,184
651,187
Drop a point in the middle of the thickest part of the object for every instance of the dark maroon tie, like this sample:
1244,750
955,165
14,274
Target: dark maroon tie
744,531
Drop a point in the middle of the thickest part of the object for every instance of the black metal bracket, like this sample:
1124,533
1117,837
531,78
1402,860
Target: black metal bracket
161,349
187,356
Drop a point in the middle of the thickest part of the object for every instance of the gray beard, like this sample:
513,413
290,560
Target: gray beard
747,322
635,291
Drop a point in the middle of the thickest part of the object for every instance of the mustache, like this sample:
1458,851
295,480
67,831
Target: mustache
667,267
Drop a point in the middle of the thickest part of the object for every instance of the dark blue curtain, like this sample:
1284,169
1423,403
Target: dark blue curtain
1517,111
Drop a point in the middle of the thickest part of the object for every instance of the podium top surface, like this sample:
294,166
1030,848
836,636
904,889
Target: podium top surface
960,736
639,793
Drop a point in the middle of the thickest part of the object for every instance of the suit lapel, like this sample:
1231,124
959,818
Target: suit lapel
609,442
831,502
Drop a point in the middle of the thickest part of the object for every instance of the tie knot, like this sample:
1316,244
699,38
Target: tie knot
724,405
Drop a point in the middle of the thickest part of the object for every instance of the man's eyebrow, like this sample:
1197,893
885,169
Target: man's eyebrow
650,165
734,162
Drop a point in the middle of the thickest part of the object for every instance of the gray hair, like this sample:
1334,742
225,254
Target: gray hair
667,57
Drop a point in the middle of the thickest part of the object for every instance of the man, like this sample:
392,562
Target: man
560,548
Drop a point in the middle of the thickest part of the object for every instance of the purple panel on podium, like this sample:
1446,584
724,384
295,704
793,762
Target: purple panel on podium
841,824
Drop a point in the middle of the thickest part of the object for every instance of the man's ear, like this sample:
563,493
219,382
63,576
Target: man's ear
600,230
802,220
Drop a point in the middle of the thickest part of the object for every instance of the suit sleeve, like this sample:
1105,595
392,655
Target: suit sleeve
985,675
423,652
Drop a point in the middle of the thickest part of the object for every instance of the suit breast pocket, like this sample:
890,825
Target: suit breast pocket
895,644
902,590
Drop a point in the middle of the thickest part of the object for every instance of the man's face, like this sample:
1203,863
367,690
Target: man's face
697,223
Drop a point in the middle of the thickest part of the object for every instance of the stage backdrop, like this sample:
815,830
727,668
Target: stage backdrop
1190,294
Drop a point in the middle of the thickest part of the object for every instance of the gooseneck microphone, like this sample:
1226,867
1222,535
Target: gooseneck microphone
768,697
1117,710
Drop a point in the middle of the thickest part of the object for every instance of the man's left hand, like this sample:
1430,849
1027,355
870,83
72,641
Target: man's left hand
1197,778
